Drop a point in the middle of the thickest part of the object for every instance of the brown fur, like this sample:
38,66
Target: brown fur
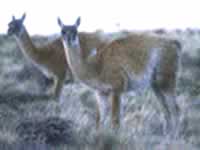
134,52
90,41
49,57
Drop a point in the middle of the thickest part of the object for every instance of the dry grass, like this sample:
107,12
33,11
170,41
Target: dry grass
142,121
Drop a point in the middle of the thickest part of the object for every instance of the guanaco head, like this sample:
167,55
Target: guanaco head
16,27
70,32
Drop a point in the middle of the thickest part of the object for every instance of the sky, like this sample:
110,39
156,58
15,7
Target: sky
107,15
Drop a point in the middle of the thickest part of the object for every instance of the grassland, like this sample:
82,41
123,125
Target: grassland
33,121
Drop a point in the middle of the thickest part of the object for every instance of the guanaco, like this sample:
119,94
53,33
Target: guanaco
128,63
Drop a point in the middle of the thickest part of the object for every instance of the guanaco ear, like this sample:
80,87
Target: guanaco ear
60,22
78,21
23,17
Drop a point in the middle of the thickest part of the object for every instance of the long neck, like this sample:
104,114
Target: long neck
81,68
26,44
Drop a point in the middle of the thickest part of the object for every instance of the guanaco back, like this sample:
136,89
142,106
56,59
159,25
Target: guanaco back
49,58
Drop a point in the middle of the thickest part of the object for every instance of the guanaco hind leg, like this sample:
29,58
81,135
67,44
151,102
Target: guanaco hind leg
167,98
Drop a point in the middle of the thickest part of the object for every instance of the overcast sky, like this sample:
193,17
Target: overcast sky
103,14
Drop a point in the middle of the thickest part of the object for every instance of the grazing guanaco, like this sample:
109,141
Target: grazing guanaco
49,58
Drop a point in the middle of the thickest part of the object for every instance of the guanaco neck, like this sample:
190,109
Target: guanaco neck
26,45
80,67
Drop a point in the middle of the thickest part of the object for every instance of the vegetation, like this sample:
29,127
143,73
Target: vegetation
22,103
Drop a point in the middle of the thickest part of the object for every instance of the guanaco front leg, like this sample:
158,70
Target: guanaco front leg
59,85
103,107
51,90
115,99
